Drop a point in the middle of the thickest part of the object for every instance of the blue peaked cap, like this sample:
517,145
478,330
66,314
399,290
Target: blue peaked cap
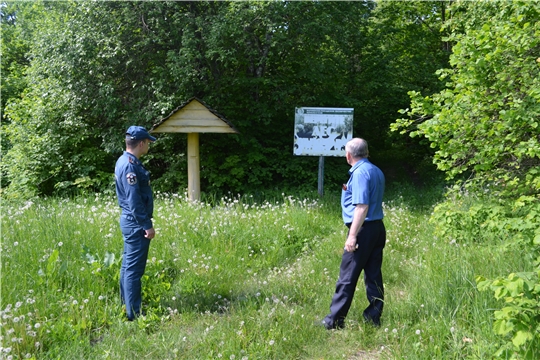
138,133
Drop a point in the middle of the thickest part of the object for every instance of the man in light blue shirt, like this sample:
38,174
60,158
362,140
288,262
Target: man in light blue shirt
361,203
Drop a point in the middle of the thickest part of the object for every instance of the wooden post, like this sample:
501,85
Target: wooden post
321,176
194,183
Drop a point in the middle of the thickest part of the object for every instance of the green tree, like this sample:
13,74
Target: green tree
484,128
275,57
16,33
15,47
405,50
484,124
95,69
98,67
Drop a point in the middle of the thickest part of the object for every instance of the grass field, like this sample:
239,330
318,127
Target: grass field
239,278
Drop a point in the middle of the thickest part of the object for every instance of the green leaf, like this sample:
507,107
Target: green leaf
521,337
51,262
502,327
109,259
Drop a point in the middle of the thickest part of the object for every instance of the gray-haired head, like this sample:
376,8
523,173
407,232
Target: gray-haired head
358,148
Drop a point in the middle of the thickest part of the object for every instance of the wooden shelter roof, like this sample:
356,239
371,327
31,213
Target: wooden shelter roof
194,116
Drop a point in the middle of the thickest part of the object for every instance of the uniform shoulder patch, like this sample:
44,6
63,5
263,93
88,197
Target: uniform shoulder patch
131,178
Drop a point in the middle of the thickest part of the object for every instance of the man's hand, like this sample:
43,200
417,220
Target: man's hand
350,244
360,213
150,233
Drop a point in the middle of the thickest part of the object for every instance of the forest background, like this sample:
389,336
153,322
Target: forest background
77,74
446,90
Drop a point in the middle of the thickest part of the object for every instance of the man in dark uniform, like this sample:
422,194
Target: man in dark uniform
137,204
361,203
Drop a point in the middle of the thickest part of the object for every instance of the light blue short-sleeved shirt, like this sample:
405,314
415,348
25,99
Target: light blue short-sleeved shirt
365,186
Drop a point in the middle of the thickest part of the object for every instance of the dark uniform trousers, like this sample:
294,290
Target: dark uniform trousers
136,247
371,240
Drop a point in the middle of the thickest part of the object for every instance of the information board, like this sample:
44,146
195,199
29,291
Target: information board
322,131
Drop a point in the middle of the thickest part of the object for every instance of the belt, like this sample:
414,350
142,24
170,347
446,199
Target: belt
128,217
365,221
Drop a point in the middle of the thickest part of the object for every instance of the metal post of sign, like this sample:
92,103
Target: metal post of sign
321,176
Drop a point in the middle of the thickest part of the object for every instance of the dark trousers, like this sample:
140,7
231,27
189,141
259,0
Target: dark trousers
133,265
371,240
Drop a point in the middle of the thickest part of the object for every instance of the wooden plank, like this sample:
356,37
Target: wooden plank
194,104
194,117
194,122
192,129
193,114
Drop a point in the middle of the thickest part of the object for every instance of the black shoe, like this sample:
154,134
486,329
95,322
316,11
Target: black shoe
330,326
372,321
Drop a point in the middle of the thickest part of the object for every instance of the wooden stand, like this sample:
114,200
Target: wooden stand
193,117
194,184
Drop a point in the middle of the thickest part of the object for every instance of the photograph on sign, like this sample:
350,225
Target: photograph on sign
322,131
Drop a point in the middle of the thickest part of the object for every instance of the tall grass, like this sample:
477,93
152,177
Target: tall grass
238,278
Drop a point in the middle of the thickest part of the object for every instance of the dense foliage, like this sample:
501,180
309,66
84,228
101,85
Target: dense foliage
485,124
484,127
97,67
